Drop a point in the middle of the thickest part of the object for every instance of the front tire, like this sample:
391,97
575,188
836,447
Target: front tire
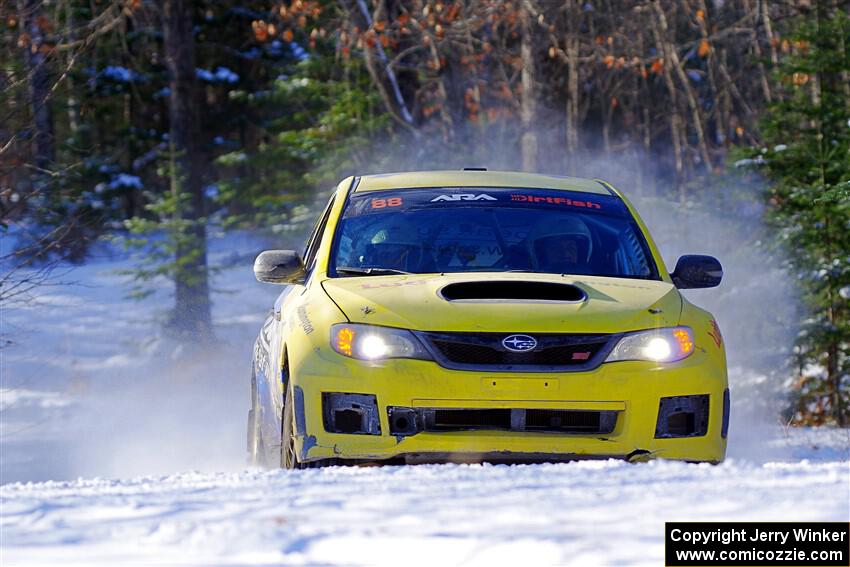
288,456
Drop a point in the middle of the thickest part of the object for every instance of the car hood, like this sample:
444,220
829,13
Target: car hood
604,305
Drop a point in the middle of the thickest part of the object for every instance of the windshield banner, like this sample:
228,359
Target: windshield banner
405,199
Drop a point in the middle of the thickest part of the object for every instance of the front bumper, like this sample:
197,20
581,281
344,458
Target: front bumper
631,389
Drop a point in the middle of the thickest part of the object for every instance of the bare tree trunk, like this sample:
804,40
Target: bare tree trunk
38,80
761,7
768,31
474,87
528,110
607,119
572,52
676,122
382,73
676,65
719,95
73,104
644,126
444,110
192,296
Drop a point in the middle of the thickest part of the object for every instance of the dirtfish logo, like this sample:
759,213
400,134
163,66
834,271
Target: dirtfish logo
464,197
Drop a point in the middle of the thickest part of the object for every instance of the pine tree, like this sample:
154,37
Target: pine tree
806,134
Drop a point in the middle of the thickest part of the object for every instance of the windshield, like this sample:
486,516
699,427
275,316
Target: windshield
492,230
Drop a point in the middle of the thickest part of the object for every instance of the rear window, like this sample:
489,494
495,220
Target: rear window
488,229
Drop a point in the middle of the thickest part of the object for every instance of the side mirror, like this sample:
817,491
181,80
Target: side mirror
279,267
695,271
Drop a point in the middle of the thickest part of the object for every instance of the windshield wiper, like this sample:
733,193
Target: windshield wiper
370,271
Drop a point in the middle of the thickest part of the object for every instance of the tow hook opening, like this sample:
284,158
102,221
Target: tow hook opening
403,421
355,414
682,416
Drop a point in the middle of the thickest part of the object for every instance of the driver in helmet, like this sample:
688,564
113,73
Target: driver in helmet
395,246
561,246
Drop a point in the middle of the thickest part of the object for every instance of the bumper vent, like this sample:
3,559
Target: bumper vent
485,351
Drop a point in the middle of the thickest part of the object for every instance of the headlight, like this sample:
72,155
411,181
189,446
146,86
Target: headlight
658,345
366,342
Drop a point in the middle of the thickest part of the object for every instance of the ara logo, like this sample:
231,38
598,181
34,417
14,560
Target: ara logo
519,343
464,197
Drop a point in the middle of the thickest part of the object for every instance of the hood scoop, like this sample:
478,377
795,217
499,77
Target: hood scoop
512,292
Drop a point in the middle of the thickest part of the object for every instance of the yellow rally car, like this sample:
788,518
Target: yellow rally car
484,316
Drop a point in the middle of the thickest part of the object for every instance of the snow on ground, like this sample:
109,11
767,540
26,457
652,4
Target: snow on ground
88,388
584,513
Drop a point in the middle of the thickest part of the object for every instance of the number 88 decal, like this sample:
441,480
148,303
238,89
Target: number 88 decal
383,203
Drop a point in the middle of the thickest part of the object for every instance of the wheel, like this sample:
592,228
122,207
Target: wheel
256,447
288,457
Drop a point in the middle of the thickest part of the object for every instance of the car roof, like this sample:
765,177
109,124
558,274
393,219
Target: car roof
478,178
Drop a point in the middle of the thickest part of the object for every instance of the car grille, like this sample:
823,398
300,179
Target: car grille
567,352
406,421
